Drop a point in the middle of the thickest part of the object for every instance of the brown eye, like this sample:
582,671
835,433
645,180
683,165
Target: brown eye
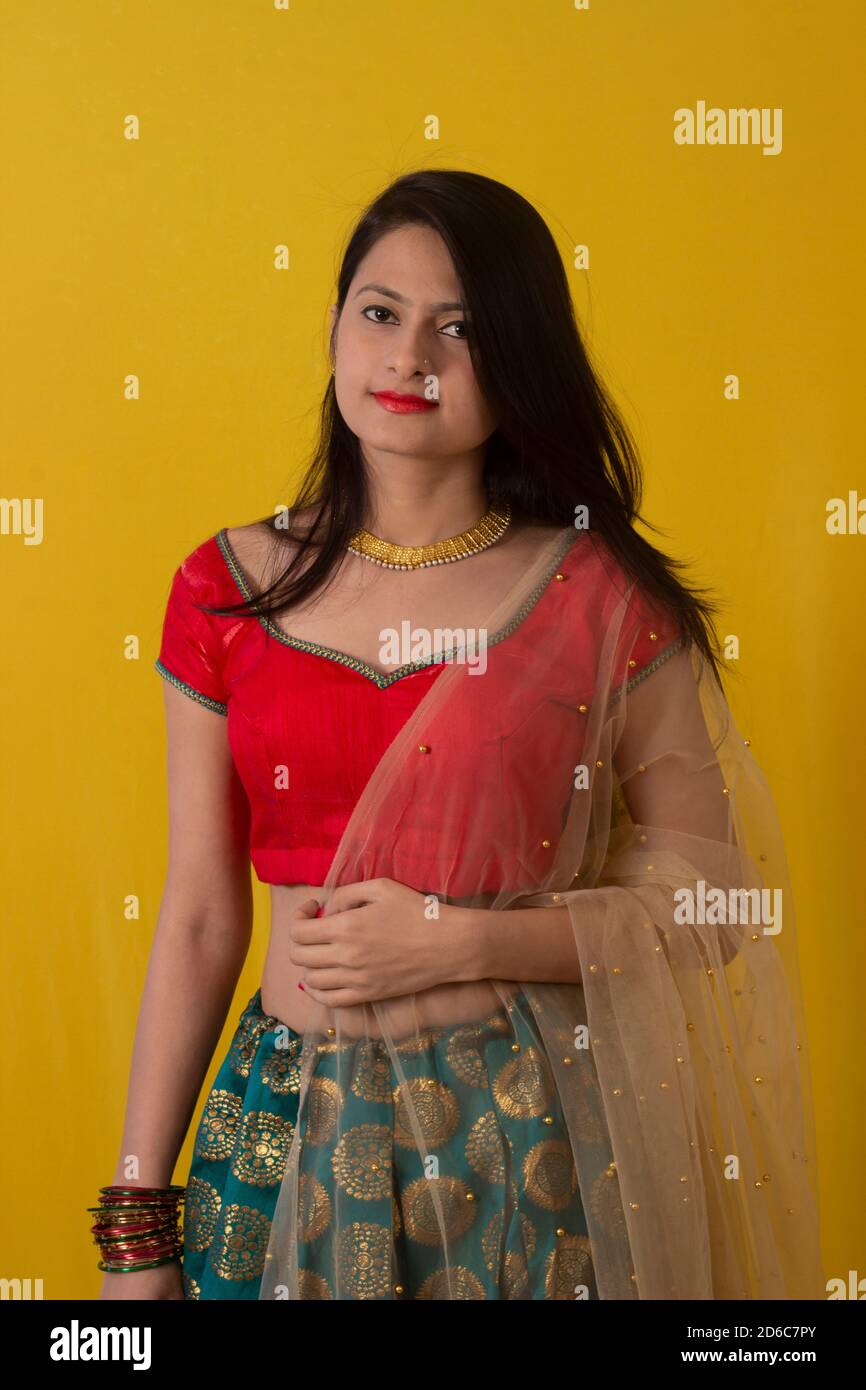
375,309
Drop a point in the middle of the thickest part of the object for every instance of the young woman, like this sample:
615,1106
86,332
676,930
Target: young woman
529,1026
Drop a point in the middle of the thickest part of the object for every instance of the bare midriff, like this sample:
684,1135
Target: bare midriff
442,1006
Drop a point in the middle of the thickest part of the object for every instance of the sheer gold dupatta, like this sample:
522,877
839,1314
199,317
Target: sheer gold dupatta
688,1095
633,805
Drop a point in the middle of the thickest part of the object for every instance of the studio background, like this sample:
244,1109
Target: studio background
156,260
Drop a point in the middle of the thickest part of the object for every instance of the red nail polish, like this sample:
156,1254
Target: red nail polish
300,986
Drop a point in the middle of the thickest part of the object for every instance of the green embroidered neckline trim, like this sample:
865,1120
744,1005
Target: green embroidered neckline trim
364,668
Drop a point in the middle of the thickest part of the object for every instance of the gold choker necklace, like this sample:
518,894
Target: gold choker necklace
492,525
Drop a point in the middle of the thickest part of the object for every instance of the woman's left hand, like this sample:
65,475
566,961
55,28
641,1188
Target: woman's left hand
375,940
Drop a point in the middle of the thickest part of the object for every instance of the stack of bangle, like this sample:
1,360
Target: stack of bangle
137,1227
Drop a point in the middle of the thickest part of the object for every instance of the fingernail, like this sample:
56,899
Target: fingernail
300,986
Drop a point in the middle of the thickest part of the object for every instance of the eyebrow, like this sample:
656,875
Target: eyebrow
401,299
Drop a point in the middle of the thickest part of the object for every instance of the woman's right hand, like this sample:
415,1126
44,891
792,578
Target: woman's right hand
164,1281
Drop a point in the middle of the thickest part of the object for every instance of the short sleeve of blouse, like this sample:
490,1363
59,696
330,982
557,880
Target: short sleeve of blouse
654,636
189,654
647,634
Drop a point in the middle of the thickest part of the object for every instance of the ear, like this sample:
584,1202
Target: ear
333,331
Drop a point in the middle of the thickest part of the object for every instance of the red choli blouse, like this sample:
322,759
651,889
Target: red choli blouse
328,717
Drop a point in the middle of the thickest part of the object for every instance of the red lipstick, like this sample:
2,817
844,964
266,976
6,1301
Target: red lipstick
403,403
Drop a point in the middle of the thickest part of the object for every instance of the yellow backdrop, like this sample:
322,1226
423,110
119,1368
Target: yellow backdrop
156,159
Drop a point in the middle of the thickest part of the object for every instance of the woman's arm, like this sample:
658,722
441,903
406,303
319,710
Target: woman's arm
377,941
529,943
201,941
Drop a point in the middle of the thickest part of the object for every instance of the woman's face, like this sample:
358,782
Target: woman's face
394,335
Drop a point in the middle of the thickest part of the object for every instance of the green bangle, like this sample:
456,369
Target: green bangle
133,1269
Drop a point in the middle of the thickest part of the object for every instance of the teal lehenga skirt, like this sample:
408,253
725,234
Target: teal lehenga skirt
491,1118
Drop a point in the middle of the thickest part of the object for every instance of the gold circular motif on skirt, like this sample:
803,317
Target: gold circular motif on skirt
491,1240
436,1107
372,1079
515,1275
201,1209
464,1285
314,1208
605,1203
549,1175
245,1043
465,1056
568,1264
361,1161
262,1148
529,1233
522,1087
219,1125
191,1289
419,1210
312,1285
238,1249
484,1149
281,1072
498,1022
323,1101
364,1259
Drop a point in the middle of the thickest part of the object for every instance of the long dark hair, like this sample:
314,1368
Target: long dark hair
560,441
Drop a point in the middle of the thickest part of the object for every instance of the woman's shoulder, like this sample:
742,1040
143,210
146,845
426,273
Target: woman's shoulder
247,546
217,565
255,548
199,565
